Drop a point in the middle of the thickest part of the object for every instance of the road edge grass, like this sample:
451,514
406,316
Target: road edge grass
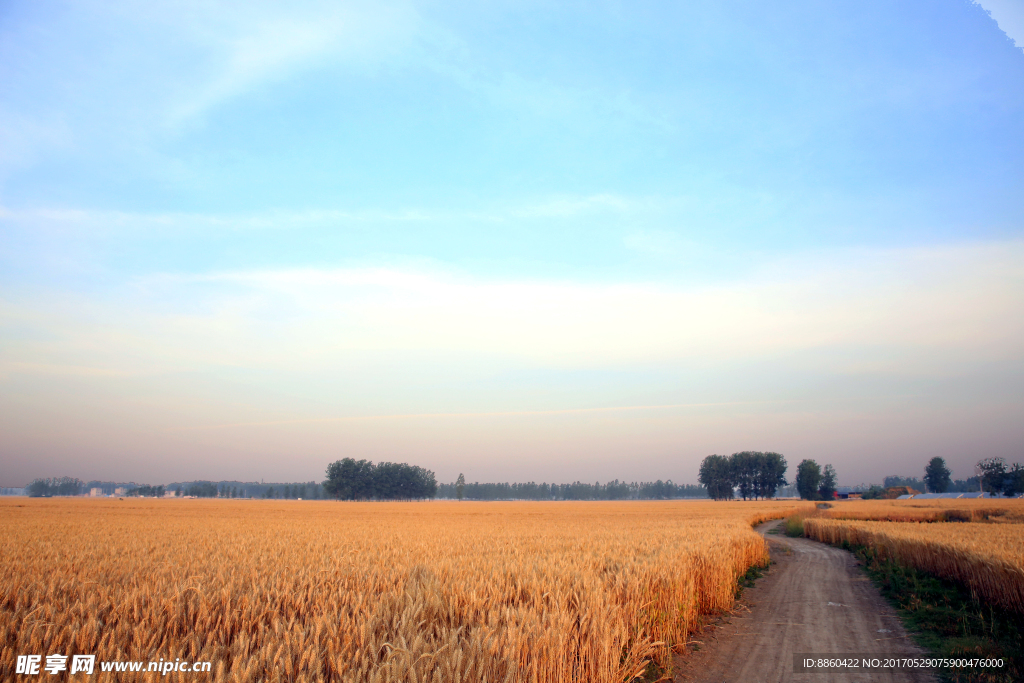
753,573
794,526
946,619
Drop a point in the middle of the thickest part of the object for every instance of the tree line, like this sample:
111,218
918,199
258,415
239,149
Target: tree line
55,486
350,479
308,490
69,486
937,479
147,491
993,475
612,490
751,474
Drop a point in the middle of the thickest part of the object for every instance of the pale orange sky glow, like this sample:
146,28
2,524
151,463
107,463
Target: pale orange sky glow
872,366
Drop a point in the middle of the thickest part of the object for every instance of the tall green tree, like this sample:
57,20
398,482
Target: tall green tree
771,474
993,474
1015,480
349,479
744,472
827,487
460,486
808,478
716,474
756,474
937,476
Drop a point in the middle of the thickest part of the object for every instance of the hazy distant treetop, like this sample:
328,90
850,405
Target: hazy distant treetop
937,475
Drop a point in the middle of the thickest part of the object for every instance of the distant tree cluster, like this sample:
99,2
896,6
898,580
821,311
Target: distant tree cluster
350,479
304,491
666,490
872,492
62,486
309,490
752,474
148,491
613,490
998,479
909,482
964,485
970,484
993,475
815,483
202,489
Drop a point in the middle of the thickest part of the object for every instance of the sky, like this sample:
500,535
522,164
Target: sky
529,241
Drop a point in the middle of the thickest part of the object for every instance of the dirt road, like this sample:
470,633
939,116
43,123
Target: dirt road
813,600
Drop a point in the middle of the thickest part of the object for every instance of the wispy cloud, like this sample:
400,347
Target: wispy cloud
555,206
546,100
248,45
125,77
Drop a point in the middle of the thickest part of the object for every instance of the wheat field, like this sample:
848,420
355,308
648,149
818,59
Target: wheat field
419,592
988,558
929,510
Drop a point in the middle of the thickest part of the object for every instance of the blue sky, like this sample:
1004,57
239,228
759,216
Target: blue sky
540,241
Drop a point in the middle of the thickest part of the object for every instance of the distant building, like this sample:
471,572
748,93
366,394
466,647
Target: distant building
95,492
120,491
12,492
848,493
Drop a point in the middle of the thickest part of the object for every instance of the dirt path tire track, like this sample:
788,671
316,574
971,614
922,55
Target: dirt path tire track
814,599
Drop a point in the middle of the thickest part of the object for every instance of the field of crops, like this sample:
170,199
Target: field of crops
311,591
988,558
931,510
